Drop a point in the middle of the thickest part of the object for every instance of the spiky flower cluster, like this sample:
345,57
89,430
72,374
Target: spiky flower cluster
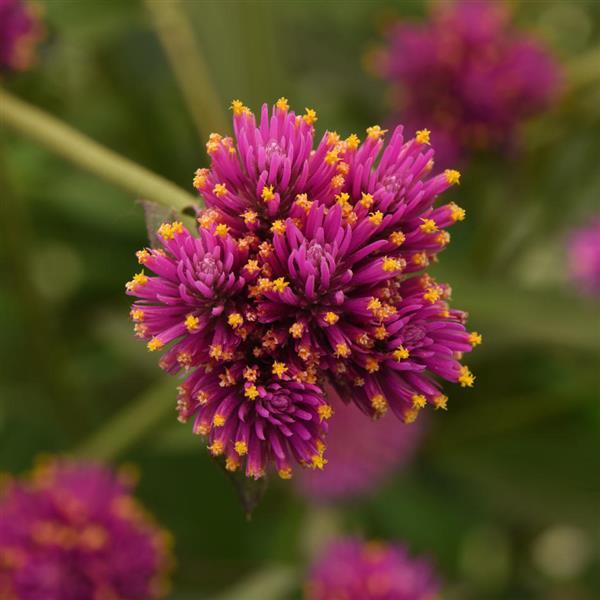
74,532
361,453
354,570
20,31
469,75
584,257
307,267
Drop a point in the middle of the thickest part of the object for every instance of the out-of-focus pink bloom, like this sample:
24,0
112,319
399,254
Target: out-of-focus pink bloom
20,32
74,532
361,453
350,569
584,257
467,75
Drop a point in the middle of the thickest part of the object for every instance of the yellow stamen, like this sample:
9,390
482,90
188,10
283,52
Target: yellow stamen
231,464
137,314
410,415
285,473
142,256
376,132
267,193
372,364
282,104
422,136
220,190
432,295
452,176
376,217
237,106
249,217
241,448
379,404
279,368
216,448
456,212
400,353
331,157
397,238
280,284
200,177
191,323
419,401
235,320
475,338
325,411
391,264
154,344
296,330
428,226
366,200
342,350
466,378
221,229
318,462
251,392
352,142
252,266
218,420
310,116
441,402
278,227
331,318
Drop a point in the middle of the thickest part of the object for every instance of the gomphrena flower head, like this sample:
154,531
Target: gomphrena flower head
355,570
468,75
20,32
73,531
584,257
361,453
307,268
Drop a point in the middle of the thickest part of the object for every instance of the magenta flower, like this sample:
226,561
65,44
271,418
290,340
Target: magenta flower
361,453
74,532
468,76
354,570
584,257
20,32
307,270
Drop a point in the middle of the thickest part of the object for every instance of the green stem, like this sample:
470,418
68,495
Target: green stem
188,65
62,139
134,422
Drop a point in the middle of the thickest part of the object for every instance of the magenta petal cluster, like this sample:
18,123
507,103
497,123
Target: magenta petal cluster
468,75
361,453
73,531
354,570
307,270
584,257
20,31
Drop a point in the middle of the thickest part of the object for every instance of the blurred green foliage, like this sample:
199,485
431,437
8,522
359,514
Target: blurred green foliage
503,479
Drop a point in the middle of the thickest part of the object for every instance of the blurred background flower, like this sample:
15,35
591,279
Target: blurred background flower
357,570
20,32
469,75
73,531
584,256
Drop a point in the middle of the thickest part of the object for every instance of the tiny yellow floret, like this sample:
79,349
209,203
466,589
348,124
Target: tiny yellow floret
376,217
280,284
475,338
218,420
278,227
456,212
296,330
379,404
220,190
267,193
235,320
241,448
352,142
452,176
397,238
422,136
154,344
331,318
237,106
216,448
285,473
251,392
279,369
310,116
191,323
282,104
325,411
419,401
400,353
390,264
428,226
441,402
375,132
466,378
342,350
222,230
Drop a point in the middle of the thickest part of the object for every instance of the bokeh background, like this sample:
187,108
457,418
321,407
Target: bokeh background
504,491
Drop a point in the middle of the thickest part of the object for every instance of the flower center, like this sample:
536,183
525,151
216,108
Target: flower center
273,148
390,184
208,265
315,253
413,334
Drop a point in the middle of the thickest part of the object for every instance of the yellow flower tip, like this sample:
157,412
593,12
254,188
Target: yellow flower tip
376,217
252,266
475,338
215,351
390,264
397,238
428,226
325,411
352,142
410,415
456,212
142,256
342,350
200,177
167,231
419,401
366,200
375,132
216,448
310,116
285,473
222,230
137,315
332,157
138,280
249,217
220,190
374,305
280,284
296,330
282,104
420,258
379,404
422,136
238,108
452,176
372,364
441,402
332,138
331,318
231,464
251,392
235,320
218,420
318,461
267,193
400,353
154,344
278,227
432,295
279,369
191,323
465,377
241,448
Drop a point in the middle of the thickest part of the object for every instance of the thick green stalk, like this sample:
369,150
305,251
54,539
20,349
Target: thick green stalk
188,65
62,139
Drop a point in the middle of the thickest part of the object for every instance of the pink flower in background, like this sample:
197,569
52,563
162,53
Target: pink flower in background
361,453
74,532
355,570
584,257
467,75
20,32
307,270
